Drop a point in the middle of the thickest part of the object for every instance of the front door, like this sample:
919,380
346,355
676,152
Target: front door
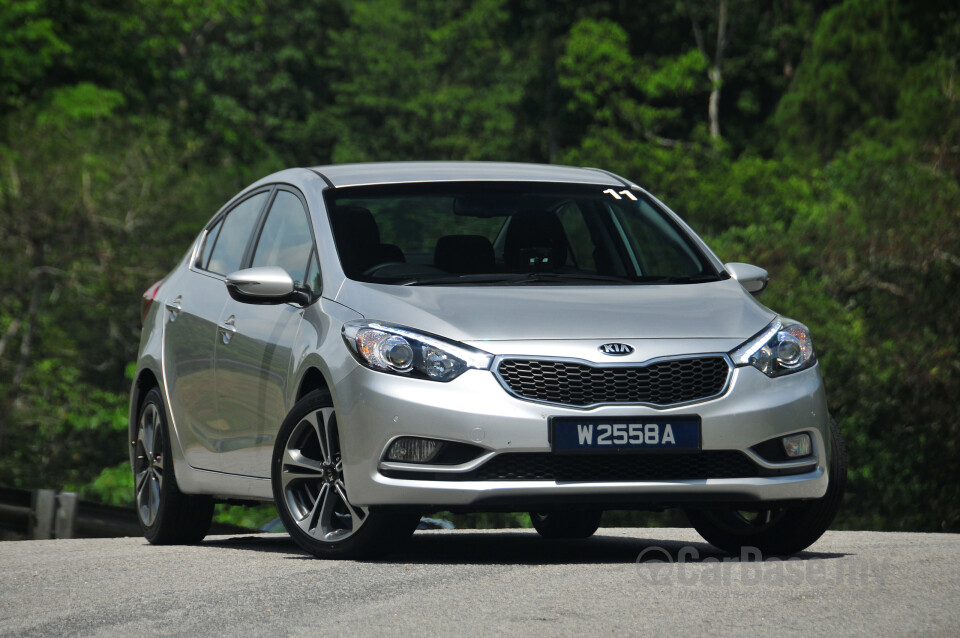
254,359
254,353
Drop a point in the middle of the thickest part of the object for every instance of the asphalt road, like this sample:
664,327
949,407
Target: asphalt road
452,583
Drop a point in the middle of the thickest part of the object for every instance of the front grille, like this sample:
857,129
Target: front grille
659,383
545,466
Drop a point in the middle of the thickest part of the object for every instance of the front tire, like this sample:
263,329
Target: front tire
166,515
566,524
311,495
777,531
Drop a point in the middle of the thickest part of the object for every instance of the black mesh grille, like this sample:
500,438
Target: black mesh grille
544,466
660,383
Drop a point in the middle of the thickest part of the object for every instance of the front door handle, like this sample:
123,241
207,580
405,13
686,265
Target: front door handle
227,329
174,307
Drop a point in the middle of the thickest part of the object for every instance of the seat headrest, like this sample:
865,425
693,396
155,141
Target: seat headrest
355,225
535,240
357,237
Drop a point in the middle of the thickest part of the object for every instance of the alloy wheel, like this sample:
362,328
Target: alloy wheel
148,464
311,478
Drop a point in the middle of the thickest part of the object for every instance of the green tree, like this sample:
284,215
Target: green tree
89,218
402,96
29,46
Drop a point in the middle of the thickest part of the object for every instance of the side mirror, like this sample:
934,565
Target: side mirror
265,285
752,278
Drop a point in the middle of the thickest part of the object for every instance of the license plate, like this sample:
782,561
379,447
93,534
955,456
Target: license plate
631,434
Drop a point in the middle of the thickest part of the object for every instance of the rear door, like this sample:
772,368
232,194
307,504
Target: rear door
255,362
193,307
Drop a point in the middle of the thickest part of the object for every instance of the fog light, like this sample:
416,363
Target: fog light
408,449
797,445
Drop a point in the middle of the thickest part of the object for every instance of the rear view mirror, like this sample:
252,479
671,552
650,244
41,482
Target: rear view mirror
264,285
485,206
752,278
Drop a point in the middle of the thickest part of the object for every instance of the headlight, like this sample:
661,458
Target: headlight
783,347
398,350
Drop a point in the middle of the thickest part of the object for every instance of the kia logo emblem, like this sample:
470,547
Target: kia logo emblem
616,349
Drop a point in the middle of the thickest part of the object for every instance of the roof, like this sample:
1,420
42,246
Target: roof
405,172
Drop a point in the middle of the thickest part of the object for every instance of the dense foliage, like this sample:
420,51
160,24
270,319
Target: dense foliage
820,140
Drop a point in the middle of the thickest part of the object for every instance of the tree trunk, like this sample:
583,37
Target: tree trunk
715,72
713,110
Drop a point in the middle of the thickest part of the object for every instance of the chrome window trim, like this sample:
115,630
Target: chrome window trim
495,369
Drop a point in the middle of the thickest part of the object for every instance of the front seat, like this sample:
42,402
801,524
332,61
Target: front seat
535,241
358,240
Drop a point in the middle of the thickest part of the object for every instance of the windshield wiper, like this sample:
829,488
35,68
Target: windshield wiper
551,277
479,278
691,279
512,278
539,277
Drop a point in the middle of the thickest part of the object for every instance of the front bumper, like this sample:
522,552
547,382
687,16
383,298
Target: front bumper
373,408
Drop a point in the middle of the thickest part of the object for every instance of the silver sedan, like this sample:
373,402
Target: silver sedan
362,344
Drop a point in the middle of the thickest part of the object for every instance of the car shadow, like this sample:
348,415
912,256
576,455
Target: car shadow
519,547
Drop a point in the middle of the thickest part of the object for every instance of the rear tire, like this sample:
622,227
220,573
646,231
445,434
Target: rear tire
566,524
777,531
311,496
166,515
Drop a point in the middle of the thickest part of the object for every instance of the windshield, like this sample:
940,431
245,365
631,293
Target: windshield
506,233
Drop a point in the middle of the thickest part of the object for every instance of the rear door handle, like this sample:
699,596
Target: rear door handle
174,307
227,329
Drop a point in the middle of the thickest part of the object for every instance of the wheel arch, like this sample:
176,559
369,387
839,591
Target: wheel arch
311,380
145,381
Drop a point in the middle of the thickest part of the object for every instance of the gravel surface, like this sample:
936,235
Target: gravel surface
482,583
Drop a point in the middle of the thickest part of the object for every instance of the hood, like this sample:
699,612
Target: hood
713,310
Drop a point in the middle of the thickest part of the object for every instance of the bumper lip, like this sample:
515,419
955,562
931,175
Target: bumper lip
498,359
810,485
442,473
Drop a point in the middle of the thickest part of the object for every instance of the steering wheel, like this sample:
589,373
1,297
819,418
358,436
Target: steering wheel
373,270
